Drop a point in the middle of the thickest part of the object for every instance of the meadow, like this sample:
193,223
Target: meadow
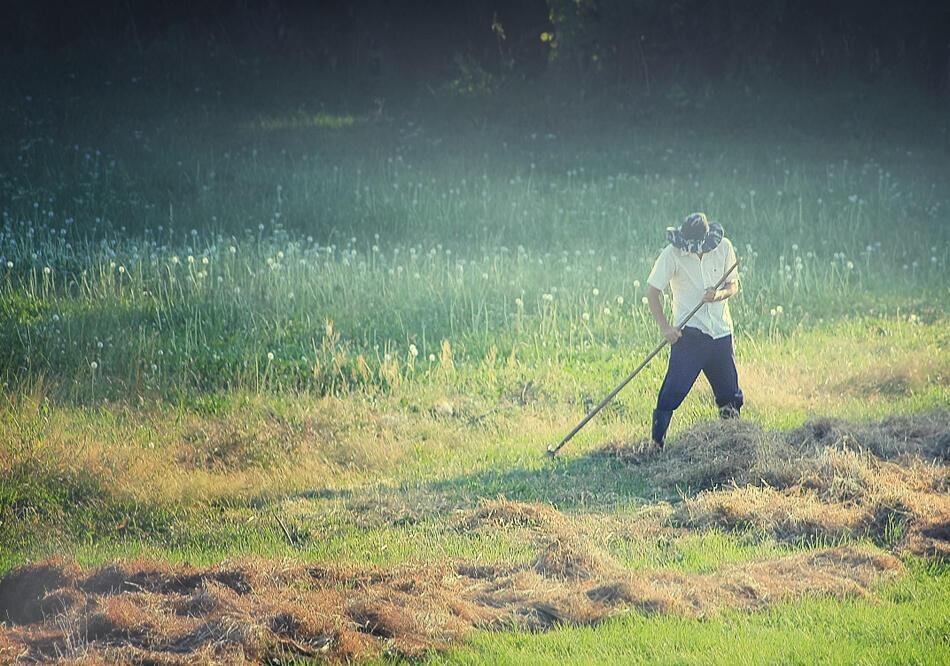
237,333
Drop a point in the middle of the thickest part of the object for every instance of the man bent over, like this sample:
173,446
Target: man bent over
697,257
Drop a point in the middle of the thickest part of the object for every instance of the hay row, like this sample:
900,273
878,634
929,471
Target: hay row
256,610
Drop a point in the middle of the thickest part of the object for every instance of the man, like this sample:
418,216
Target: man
697,256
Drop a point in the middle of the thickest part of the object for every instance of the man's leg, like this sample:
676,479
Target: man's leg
720,370
686,361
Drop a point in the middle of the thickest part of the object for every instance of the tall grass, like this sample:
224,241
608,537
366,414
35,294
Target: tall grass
488,260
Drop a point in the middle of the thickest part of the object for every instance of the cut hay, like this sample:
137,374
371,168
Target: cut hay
827,482
502,513
717,453
823,482
185,615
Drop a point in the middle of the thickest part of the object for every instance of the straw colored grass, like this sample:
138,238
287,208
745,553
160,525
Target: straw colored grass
255,610
827,480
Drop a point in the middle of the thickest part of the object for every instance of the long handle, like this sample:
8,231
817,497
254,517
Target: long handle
603,403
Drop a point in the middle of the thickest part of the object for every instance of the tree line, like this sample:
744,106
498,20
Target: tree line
583,45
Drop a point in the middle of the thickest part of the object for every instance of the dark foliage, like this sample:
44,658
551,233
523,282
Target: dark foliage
583,46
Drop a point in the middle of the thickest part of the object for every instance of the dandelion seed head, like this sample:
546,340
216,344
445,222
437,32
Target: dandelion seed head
270,356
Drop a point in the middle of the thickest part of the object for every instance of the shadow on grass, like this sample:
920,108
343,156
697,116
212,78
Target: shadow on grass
584,484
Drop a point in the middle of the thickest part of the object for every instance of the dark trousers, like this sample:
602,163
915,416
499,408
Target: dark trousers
692,353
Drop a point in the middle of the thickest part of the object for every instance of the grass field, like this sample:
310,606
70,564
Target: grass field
246,337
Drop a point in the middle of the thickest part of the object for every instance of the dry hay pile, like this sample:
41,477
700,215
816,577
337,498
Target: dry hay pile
827,480
256,610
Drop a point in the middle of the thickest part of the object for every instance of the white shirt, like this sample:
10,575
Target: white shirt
689,277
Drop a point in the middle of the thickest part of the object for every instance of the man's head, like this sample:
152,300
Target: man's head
695,227
695,234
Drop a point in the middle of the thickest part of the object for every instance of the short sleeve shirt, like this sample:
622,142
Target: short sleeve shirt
688,278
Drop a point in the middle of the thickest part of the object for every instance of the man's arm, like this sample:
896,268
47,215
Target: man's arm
671,333
728,290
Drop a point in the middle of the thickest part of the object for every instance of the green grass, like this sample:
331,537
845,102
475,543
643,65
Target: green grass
366,326
906,622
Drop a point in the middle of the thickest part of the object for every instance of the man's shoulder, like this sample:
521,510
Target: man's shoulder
725,247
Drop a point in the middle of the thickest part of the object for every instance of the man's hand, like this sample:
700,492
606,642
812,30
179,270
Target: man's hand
672,334
711,296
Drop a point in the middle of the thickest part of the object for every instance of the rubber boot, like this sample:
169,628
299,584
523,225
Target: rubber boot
661,422
730,411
